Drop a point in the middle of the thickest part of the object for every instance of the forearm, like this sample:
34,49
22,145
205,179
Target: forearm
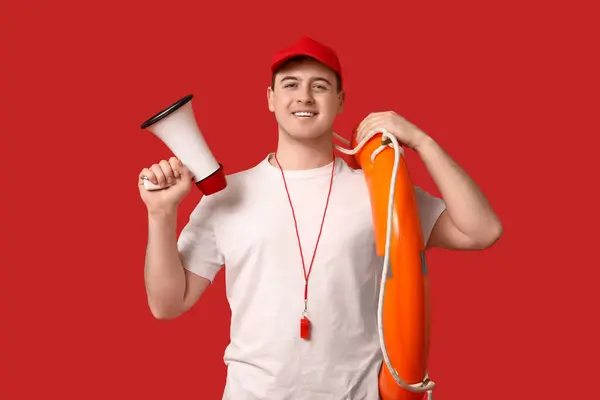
466,204
164,273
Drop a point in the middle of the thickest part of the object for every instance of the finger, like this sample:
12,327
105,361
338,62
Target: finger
148,174
368,124
161,179
175,166
168,171
360,131
362,123
185,171
375,123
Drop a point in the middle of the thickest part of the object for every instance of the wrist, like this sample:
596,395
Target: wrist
423,144
162,212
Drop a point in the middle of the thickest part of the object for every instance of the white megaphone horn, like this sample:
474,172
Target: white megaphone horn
176,127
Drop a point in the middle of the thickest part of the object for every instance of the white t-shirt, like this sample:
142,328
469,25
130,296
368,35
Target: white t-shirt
249,228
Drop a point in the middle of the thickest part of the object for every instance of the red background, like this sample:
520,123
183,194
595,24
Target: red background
510,90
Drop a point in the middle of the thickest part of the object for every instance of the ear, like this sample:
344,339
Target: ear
341,99
270,98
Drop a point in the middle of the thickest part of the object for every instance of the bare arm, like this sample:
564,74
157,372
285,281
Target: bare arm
469,222
171,289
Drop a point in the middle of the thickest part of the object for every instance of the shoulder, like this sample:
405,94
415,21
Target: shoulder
430,207
424,198
355,176
240,186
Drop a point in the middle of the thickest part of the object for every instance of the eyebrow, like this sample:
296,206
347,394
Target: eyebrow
293,78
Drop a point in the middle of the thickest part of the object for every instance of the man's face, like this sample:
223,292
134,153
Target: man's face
305,99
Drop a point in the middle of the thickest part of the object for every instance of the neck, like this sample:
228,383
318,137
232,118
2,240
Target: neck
306,154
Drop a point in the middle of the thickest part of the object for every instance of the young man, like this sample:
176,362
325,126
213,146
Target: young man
300,219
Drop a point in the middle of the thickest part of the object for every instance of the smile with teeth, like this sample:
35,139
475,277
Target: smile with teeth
304,114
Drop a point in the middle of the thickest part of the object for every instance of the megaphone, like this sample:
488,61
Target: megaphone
176,127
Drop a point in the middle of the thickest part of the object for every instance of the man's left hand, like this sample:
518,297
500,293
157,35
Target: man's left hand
406,133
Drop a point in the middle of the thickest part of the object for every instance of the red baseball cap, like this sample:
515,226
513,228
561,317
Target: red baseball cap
306,46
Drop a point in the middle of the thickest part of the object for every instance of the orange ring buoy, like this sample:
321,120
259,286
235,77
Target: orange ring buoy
403,308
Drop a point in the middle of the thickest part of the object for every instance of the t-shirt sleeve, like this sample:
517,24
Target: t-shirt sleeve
197,243
430,209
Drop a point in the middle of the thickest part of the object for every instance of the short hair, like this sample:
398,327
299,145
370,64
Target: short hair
300,59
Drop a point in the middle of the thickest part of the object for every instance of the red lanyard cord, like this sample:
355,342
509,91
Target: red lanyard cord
304,322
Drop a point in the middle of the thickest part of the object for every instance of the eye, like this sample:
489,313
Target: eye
287,85
320,87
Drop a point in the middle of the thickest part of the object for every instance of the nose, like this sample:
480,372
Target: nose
305,95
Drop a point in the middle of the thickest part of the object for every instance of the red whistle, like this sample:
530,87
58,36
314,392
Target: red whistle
304,328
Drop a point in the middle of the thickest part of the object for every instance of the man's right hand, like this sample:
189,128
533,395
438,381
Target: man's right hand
165,173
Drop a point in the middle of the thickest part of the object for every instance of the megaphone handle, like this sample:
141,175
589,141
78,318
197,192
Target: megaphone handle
151,186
